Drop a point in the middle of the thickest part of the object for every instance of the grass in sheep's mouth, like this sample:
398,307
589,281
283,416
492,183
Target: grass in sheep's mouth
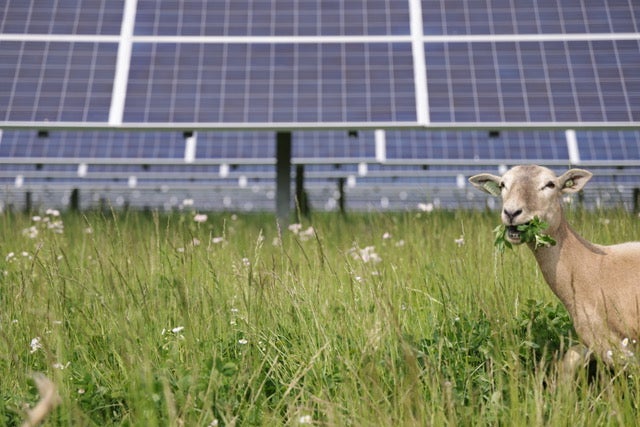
530,232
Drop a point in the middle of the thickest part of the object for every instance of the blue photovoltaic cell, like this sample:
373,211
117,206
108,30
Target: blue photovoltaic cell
534,81
92,144
609,145
341,144
476,145
462,17
56,81
103,17
522,146
272,18
252,83
244,145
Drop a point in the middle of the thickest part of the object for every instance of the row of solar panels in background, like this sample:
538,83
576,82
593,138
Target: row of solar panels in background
325,18
253,147
156,170
236,170
336,82
607,189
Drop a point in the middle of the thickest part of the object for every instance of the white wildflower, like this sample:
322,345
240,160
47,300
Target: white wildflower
386,236
295,228
306,234
53,212
242,341
56,226
177,329
35,344
459,241
187,202
60,366
305,419
246,262
200,218
36,218
366,255
31,232
10,257
425,207
217,240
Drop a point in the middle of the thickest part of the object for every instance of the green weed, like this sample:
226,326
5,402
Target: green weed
531,232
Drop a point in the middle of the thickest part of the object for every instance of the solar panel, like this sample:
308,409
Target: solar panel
62,17
83,145
235,145
615,146
445,147
505,17
334,144
270,83
272,18
55,81
558,81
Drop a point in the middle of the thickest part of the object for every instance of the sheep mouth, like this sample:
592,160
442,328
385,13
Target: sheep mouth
530,232
514,234
519,233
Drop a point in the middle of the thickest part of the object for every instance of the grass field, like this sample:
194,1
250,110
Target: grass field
375,319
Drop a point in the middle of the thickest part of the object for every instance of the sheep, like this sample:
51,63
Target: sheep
49,400
599,285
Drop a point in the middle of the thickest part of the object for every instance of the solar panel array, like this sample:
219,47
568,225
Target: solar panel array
455,85
283,63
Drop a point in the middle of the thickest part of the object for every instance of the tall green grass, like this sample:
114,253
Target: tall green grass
374,319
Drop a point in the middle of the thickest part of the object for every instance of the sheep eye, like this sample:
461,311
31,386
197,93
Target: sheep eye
550,184
502,186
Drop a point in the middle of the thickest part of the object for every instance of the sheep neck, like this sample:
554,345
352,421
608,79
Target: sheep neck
562,265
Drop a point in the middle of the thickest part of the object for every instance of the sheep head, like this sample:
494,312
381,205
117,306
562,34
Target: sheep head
530,191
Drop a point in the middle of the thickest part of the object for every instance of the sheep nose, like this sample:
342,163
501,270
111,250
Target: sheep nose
511,215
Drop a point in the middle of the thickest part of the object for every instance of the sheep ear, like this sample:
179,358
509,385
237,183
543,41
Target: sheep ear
487,183
574,180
